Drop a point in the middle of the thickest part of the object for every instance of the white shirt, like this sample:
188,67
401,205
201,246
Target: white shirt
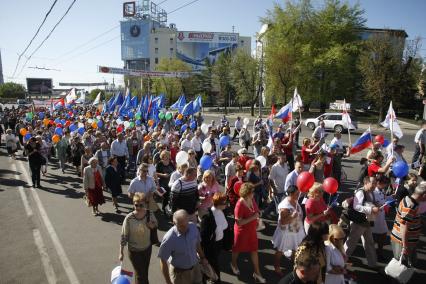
174,177
185,145
337,142
196,143
319,132
119,149
291,179
359,199
104,155
221,223
144,186
230,171
238,125
420,137
278,175
333,258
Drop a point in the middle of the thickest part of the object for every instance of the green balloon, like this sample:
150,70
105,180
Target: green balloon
132,124
30,115
169,116
138,115
161,115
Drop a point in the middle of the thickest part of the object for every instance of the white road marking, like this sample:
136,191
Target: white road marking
38,240
45,259
69,270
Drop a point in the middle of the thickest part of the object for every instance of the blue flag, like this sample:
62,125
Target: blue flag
110,102
179,105
188,109
197,105
125,107
118,101
134,102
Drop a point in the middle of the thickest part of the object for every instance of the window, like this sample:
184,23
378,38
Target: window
156,50
171,50
156,40
171,40
156,60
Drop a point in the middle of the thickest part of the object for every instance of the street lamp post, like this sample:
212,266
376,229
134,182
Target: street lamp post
260,88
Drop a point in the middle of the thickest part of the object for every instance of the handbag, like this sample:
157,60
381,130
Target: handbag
399,271
153,237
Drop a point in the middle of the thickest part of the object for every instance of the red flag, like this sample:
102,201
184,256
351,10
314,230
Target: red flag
287,118
273,112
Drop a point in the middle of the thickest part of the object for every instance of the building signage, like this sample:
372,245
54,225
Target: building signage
121,71
188,36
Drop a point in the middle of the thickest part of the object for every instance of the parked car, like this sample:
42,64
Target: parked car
332,121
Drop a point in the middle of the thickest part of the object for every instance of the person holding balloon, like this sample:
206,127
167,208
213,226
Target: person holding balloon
375,165
315,207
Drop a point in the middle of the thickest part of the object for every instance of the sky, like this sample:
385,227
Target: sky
70,49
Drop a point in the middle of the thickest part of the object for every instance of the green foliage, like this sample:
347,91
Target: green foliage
12,90
315,50
222,78
94,93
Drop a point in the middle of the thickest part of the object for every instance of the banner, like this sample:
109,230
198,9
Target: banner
121,71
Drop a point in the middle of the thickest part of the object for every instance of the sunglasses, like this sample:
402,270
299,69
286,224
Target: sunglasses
140,205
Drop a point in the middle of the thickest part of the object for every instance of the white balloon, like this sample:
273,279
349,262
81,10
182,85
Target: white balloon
119,121
246,121
205,128
262,160
80,124
207,146
181,158
90,120
126,124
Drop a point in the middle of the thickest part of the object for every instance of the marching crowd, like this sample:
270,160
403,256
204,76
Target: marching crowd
217,197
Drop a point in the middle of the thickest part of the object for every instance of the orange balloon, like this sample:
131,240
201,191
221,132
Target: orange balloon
94,125
46,122
150,122
56,138
180,116
23,131
146,138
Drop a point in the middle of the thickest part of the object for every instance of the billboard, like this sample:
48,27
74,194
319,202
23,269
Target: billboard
194,48
39,86
135,39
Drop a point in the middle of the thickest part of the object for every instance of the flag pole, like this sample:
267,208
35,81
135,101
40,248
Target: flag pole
391,125
347,124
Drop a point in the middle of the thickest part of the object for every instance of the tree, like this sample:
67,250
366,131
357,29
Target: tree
222,78
245,79
12,90
94,93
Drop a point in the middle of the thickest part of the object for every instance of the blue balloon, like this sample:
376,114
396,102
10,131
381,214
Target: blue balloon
193,125
27,136
41,115
206,162
224,141
131,114
63,121
184,127
400,169
100,123
57,121
386,143
81,130
178,122
121,280
138,122
73,127
58,131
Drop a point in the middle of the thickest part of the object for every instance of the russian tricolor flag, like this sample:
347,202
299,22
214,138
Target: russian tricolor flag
285,112
59,104
363,142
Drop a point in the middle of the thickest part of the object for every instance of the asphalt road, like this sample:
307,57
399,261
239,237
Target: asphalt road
49,235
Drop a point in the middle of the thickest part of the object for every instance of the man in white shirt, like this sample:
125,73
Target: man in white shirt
363,202
337,140
277,178
291,178
186,144
319,132
237,128
196,143
420,140
119,149
230,168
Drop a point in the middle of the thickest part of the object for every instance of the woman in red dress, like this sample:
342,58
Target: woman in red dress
245,234
93,183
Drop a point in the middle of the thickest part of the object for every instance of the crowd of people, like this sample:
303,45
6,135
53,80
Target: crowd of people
217,195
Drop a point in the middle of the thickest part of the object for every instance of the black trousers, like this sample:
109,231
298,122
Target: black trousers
140,261
416,155
236,133
121,167
290,161
212,254
35,175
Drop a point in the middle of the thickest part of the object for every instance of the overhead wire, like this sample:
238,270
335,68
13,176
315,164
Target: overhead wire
183,6
48,36
36,33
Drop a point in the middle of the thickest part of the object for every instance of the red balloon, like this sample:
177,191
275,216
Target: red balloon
248,164
330,185
119,129
305,181
237,187
68,123
380,139
59,125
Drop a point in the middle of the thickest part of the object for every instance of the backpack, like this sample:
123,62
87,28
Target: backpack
351,214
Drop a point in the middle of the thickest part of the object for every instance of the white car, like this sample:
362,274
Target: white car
332,121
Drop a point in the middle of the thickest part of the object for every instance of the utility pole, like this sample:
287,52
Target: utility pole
260,87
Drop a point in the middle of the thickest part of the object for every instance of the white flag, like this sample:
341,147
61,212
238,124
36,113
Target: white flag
391,122
71,96
346,118
97,100
296,101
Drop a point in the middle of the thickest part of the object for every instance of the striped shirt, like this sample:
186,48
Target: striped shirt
184,195
407,214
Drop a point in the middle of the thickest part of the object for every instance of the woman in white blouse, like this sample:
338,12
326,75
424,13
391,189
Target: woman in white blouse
212,231
335,256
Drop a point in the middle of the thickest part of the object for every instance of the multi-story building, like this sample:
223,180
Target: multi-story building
146,39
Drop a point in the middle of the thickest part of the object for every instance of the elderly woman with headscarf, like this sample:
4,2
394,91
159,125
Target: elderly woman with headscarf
93,183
